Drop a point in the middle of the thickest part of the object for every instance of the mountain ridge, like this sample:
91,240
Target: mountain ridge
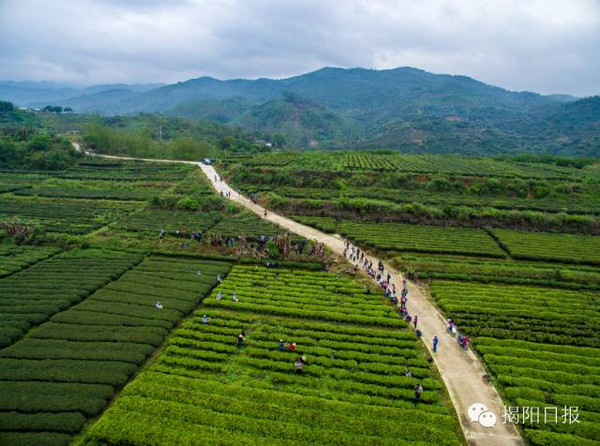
402,108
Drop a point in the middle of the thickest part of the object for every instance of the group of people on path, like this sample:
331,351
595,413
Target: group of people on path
224,193
384,280
196,235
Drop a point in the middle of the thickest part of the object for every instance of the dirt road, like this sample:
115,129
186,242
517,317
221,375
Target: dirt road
461,370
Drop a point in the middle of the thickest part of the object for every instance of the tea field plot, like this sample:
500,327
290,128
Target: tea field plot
14,258
570,248
32,296
402,237
247,224
480,269
353,388
128,171
151,221
541,346
64,215
65,370
96,189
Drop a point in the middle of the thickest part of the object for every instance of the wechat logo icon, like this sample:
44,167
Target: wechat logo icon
479,413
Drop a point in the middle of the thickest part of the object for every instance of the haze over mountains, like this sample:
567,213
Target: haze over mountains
403,108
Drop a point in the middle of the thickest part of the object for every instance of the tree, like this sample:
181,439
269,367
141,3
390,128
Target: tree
53,109
279,140
290,96
40,143
6,106
227,142
68,110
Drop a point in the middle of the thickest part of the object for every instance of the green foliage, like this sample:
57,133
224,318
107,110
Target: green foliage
435,190
42,152
569,248
14,257
27,438
299,123
17,125
156,136
59,422
209,388
56,284
68,368
398,237
6,106
402,109
520,312
435,266
540,346
53,109
63,216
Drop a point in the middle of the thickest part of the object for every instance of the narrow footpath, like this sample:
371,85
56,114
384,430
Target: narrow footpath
462,371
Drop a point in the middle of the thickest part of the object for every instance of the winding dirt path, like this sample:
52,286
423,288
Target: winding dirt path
461,371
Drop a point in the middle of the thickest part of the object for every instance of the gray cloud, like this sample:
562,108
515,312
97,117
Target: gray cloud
540,45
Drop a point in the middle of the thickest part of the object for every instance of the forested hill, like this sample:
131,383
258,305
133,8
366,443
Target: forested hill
403,108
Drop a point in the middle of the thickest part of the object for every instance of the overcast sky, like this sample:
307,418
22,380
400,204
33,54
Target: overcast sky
548,46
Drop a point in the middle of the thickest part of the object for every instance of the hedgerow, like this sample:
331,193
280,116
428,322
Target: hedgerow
28,438
548,438
70,216
91,318
68,422
433,266
14,257
144,335
60,349
65,370
37,396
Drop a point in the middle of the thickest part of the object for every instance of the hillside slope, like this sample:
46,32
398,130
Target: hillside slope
403,108
304,123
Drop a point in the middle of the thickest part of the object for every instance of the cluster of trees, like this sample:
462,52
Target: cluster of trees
157,136
104,139
544,158
40,151
6,106
17,123
57,109
23,146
